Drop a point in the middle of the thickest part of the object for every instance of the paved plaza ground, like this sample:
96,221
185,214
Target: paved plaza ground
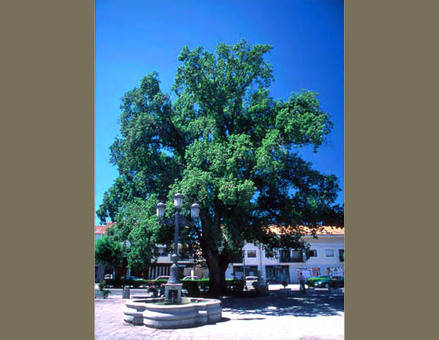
316,315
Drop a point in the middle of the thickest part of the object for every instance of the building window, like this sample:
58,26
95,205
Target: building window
284,255
297,256
312,253
329,252
290,256
269,253
251,253
238,271
341,255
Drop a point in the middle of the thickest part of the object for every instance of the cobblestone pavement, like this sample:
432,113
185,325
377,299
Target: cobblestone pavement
317,315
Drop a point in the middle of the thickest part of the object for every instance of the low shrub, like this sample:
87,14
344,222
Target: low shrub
105,293
119,283
113,283
160,281
137,283
193,286
204,284
102,285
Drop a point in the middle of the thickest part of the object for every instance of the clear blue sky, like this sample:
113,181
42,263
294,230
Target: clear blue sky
134,38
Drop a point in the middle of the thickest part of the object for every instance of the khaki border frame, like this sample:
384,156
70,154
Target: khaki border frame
46,137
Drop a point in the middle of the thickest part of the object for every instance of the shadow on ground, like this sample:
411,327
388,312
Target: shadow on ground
312,303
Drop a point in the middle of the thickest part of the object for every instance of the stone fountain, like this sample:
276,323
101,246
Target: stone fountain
156,313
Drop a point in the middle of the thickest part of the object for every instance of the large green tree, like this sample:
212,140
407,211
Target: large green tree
223,141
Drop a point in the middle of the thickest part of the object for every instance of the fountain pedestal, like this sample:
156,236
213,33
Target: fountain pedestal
173,293
173,287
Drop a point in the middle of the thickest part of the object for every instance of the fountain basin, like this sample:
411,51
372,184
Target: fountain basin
154,313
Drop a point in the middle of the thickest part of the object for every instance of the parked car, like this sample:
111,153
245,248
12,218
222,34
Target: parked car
250,280
108,277
326,282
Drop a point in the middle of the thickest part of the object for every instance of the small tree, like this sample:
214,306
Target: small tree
109,251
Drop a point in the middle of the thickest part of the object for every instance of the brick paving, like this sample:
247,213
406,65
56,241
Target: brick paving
317,315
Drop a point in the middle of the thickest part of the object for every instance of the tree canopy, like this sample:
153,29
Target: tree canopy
224,142
109,251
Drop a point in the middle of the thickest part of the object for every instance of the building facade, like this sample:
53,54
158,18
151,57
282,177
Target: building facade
326,255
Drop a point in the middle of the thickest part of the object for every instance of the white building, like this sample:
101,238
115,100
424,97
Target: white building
326,253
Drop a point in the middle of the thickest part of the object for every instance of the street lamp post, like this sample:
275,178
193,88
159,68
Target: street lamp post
126,289
173,286
127,246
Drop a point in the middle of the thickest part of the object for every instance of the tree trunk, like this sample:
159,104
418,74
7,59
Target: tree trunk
217,274
216,263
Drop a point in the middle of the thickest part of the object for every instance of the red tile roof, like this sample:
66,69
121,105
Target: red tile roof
102,229
304,230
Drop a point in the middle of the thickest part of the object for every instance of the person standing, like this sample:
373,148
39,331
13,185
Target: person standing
302,282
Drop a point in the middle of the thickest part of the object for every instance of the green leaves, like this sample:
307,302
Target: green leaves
235,192
218,84
137,223
218,170
109,251
269,155
301,121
